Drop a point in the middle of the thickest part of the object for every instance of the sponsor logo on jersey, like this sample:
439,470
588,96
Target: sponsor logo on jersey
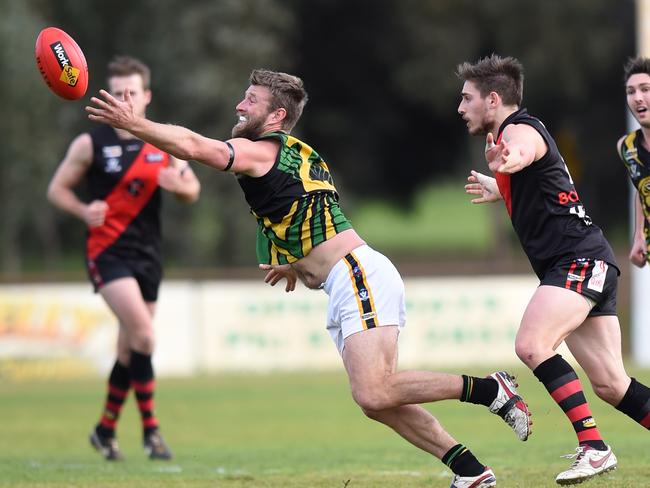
363,294
133,147
153,157
134,187
580,211
567,197
112,151
589,422
369,315
630,154
598,275
69,74
356,271
112,166
574,277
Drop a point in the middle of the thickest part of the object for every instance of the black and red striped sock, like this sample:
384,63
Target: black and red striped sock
636,403
562,382
119,382
142,379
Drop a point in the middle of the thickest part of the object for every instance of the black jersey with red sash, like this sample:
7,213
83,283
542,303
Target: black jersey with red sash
124,173
545,209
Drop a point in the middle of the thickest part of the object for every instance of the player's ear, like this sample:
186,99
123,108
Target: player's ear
493,99
279,115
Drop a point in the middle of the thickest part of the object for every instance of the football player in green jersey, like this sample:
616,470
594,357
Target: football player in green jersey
303,234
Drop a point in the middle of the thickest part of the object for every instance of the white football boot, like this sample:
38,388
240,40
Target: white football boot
484,480
588,463
510,406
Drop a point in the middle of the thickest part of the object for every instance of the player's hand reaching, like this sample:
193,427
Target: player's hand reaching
110,110
493,152
512,157
504,157
484,186
95,213
278,272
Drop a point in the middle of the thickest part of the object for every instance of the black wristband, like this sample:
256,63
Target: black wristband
232,156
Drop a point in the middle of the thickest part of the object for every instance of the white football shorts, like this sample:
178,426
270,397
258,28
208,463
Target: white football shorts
365,291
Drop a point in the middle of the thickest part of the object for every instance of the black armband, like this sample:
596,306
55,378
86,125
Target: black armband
232,156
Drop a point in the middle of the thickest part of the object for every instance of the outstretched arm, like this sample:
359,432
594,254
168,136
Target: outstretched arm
239,155
519,147
173,139
484,186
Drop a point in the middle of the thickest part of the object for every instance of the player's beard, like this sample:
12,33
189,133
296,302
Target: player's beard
481,130
251,129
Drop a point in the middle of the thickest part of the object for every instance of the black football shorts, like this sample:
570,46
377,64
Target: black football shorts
107,267
594,279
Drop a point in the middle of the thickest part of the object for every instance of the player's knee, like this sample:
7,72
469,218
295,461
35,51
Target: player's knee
124,356
527,350
611,392
370,400
143,342
372,414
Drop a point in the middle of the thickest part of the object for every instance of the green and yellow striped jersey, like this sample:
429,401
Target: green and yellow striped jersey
295,203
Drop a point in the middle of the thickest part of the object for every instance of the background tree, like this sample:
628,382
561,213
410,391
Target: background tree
382,110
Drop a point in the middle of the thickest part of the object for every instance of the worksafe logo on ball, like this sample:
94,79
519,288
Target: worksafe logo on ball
69,74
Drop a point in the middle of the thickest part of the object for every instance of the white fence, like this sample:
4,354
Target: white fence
214,326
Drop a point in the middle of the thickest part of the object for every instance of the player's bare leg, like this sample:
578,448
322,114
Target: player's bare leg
370,358
125,300
552,314
596,345
380,387
136,319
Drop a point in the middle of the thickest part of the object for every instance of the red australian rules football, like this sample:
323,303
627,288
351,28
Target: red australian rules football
61,63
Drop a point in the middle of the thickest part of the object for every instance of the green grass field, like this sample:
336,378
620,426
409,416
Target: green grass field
285,430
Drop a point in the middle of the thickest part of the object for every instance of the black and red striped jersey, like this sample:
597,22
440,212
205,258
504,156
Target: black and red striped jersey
124,173
546,212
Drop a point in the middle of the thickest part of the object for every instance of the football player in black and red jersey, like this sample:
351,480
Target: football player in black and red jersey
123,176
576,299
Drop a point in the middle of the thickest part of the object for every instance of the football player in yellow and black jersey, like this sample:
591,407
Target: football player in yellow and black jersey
124,176
576,299
634,151
303,234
